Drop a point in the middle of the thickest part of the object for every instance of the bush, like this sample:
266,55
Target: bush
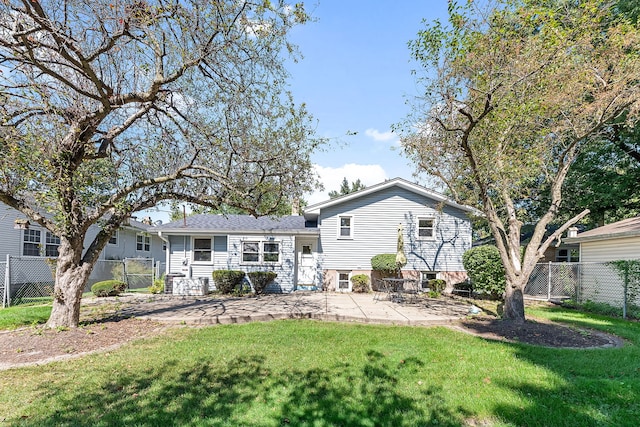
360,283
227,281
485,269
261,279
437,285
385,263
158,286
108,288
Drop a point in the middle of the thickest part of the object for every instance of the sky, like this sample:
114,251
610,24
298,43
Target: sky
355,78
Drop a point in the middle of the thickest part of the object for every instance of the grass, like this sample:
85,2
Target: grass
307,373
24,315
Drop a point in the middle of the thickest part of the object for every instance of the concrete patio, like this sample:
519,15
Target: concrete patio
344,307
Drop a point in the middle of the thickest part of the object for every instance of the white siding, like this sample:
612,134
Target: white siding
610,250
375,220
126,246
10,237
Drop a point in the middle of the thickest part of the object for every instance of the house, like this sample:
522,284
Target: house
616,241
20,238
200,244
599,278
330,242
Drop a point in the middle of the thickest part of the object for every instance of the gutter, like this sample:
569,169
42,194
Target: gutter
607,236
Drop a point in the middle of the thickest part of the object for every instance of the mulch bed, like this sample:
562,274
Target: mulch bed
539,332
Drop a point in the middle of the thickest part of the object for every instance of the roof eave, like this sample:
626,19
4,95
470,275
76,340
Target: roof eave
607,236
209,231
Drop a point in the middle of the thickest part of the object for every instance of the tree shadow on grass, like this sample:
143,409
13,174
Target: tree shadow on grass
244,392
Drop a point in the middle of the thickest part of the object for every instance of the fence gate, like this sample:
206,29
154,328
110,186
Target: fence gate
553,281
138,272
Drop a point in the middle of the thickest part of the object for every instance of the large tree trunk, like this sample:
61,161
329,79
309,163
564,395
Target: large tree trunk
71,277
514,303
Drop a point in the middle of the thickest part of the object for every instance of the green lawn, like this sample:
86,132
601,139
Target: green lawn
308,373
24,315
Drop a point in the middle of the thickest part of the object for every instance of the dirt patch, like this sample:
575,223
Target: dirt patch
538,332
37,344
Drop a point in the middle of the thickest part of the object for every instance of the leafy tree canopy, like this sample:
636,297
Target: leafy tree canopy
346,188
109,107
511,94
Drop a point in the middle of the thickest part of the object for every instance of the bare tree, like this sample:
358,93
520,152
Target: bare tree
109,107
512,92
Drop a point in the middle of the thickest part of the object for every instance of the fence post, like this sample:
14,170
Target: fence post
624,296
549,283
6,298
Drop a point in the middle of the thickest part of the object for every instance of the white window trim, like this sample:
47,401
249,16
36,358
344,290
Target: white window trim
38,243
193,250
47,233
261,260
424,279
351,227
144,237
349,285
433,228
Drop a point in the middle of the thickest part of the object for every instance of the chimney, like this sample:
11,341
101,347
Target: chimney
295,207
572,232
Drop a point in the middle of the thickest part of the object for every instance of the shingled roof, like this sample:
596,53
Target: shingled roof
238,224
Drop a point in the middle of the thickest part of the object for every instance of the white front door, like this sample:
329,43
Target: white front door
307,257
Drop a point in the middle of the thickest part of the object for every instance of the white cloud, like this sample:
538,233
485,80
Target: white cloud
332,178
380,136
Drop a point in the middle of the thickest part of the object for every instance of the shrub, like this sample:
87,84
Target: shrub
437,285
360,283
227,281
108,288
158,286
385,263
485,269
433,294
261,279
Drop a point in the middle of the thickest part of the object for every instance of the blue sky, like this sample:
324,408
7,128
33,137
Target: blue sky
355,78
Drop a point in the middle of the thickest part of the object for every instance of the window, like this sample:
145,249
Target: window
260,252
425,276
143,243
343,280
51,245
250,252
202,250
31,243
114,238
345,227
425,228
271,252
568,255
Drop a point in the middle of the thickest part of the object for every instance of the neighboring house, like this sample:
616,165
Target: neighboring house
616,241
18,239
599,280
332,241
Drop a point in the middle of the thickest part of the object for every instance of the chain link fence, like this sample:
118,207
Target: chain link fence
25,280
3,288
586,283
